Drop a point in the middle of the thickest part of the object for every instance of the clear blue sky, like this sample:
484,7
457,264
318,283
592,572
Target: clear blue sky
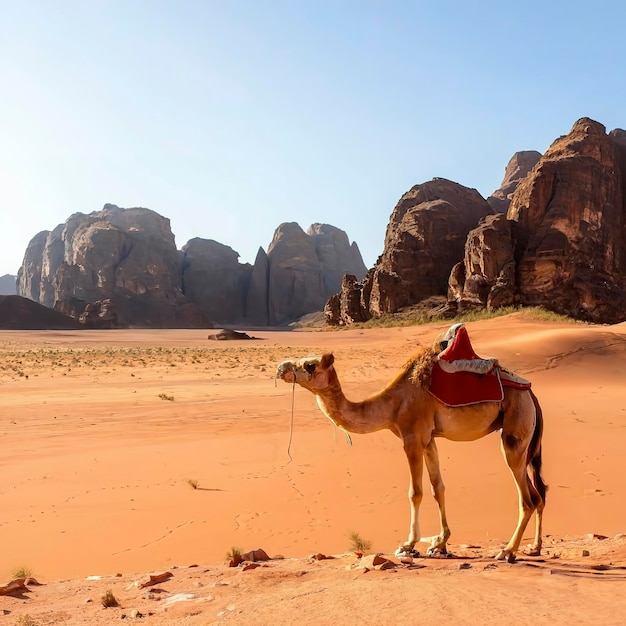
232,116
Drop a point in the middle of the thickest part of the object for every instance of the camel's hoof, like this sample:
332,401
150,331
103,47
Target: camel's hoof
404,551
437,552
504,555
533,551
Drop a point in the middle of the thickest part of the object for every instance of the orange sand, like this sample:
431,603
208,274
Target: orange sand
102,432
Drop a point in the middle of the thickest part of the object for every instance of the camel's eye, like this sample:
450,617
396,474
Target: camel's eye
310,367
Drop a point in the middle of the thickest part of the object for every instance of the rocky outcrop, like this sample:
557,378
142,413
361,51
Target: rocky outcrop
125,255
517,169
296,282
100,315
214,279
257,298
486,276
425,238
304,269
567,239
295,277
128,259
336,255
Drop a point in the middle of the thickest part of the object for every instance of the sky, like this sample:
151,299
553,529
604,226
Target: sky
231,117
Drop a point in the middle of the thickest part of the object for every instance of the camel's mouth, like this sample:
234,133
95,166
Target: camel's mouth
299,371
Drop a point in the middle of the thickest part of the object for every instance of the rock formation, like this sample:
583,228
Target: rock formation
214,279
125,255
564,247
101,314
425,238
517,169
125,261
295,277
304,269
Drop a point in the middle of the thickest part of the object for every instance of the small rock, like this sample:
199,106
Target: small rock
387,565
596,536
585,552
465,566
320,557
179,597
372,561
255,555
249,565
156,579
235,561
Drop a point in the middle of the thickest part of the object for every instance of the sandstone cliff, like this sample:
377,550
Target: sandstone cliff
564,246
517,169
127,259
125,255
214,280
425,238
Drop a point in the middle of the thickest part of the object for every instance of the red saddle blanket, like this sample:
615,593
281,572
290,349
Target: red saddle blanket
462,388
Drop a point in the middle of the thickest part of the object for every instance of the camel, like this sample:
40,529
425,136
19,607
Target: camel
408,409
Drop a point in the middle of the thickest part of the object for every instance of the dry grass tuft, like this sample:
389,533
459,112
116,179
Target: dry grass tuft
109,600
357,543
23,572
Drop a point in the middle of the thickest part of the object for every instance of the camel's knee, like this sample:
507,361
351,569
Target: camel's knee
415,496
438,489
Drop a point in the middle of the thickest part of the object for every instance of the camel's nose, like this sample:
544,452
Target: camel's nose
285,371
288,376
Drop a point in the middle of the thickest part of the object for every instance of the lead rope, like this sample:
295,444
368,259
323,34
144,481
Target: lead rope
293,404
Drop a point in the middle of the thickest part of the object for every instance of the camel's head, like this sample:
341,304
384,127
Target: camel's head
311,372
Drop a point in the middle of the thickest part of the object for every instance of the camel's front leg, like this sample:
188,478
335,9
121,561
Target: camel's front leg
414,453
431,456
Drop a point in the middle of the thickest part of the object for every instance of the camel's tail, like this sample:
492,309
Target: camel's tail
534,451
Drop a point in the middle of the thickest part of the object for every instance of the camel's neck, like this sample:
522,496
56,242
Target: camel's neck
372,414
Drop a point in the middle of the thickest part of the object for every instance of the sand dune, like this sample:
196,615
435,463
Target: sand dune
102,433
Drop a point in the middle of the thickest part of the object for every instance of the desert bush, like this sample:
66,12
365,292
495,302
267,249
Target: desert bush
358,543
22,572
109,600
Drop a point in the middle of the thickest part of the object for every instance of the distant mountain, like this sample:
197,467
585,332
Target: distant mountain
128,257
7,285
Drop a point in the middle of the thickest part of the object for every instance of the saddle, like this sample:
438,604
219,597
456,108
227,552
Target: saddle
461,378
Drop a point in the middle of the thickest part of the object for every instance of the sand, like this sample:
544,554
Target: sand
134,452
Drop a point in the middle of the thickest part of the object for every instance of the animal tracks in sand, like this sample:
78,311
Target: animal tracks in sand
153,541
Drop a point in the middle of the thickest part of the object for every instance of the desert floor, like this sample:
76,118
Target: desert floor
136,452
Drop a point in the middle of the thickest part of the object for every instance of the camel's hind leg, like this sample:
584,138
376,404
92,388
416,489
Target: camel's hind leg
517,436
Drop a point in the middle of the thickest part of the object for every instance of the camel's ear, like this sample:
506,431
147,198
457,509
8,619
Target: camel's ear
327,360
